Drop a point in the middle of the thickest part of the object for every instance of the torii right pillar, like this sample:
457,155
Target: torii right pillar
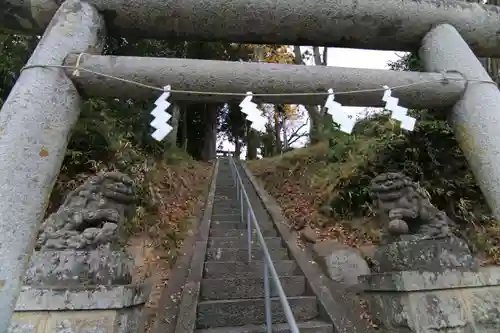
435,285
476,116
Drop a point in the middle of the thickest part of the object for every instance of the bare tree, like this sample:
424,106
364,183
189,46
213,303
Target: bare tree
317,114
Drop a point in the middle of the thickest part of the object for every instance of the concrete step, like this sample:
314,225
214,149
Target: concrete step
236,225
226,195
220,218
239,233
229,269
242,243
249,287
239,312
229,254
227,203
223,197
312,326
225,211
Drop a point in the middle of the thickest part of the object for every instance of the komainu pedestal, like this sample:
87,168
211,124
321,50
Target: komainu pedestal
425,278
79,280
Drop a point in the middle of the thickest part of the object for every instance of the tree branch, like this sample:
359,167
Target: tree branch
295,135
291,142
298,56
325,56
317,56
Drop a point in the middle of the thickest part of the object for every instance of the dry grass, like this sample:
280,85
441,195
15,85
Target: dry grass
175,194
306,181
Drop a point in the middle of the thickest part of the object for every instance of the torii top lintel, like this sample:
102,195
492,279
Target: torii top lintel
375,24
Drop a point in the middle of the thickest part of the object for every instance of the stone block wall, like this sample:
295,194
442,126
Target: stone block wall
444,302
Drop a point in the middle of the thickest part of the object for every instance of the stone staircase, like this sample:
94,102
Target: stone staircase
231,296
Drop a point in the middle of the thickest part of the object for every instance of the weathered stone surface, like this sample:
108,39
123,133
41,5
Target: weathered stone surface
440,312
81,298
430,281
485,308
418,234
409,281
102,266
37,119
79,281
340,262
100,321
449,301
326,247
75,244
309,235
406,209
425,255
90,215
382,25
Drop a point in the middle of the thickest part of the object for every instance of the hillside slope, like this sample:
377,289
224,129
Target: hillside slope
325,186
173,197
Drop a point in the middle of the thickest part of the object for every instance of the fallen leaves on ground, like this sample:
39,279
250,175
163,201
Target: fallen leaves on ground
156,234
300,203
366,314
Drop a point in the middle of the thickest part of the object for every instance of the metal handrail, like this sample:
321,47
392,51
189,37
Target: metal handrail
242,196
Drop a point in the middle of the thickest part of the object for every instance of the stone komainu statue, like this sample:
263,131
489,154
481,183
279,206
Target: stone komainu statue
407,208
80,280
90,215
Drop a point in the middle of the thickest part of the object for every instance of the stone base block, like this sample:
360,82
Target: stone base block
445,302
70,268
99,309
436,255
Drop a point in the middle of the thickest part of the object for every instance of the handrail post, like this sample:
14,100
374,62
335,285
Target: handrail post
233,174
242,214
267,299
237,190
249,235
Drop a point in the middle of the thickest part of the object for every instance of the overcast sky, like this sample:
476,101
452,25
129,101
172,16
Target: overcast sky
361,59
352,58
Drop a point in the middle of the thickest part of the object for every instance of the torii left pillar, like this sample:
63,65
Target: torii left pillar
35,125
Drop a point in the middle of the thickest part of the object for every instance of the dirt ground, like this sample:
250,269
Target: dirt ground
158,234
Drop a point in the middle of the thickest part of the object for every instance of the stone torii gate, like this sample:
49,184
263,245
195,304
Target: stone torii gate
39,114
